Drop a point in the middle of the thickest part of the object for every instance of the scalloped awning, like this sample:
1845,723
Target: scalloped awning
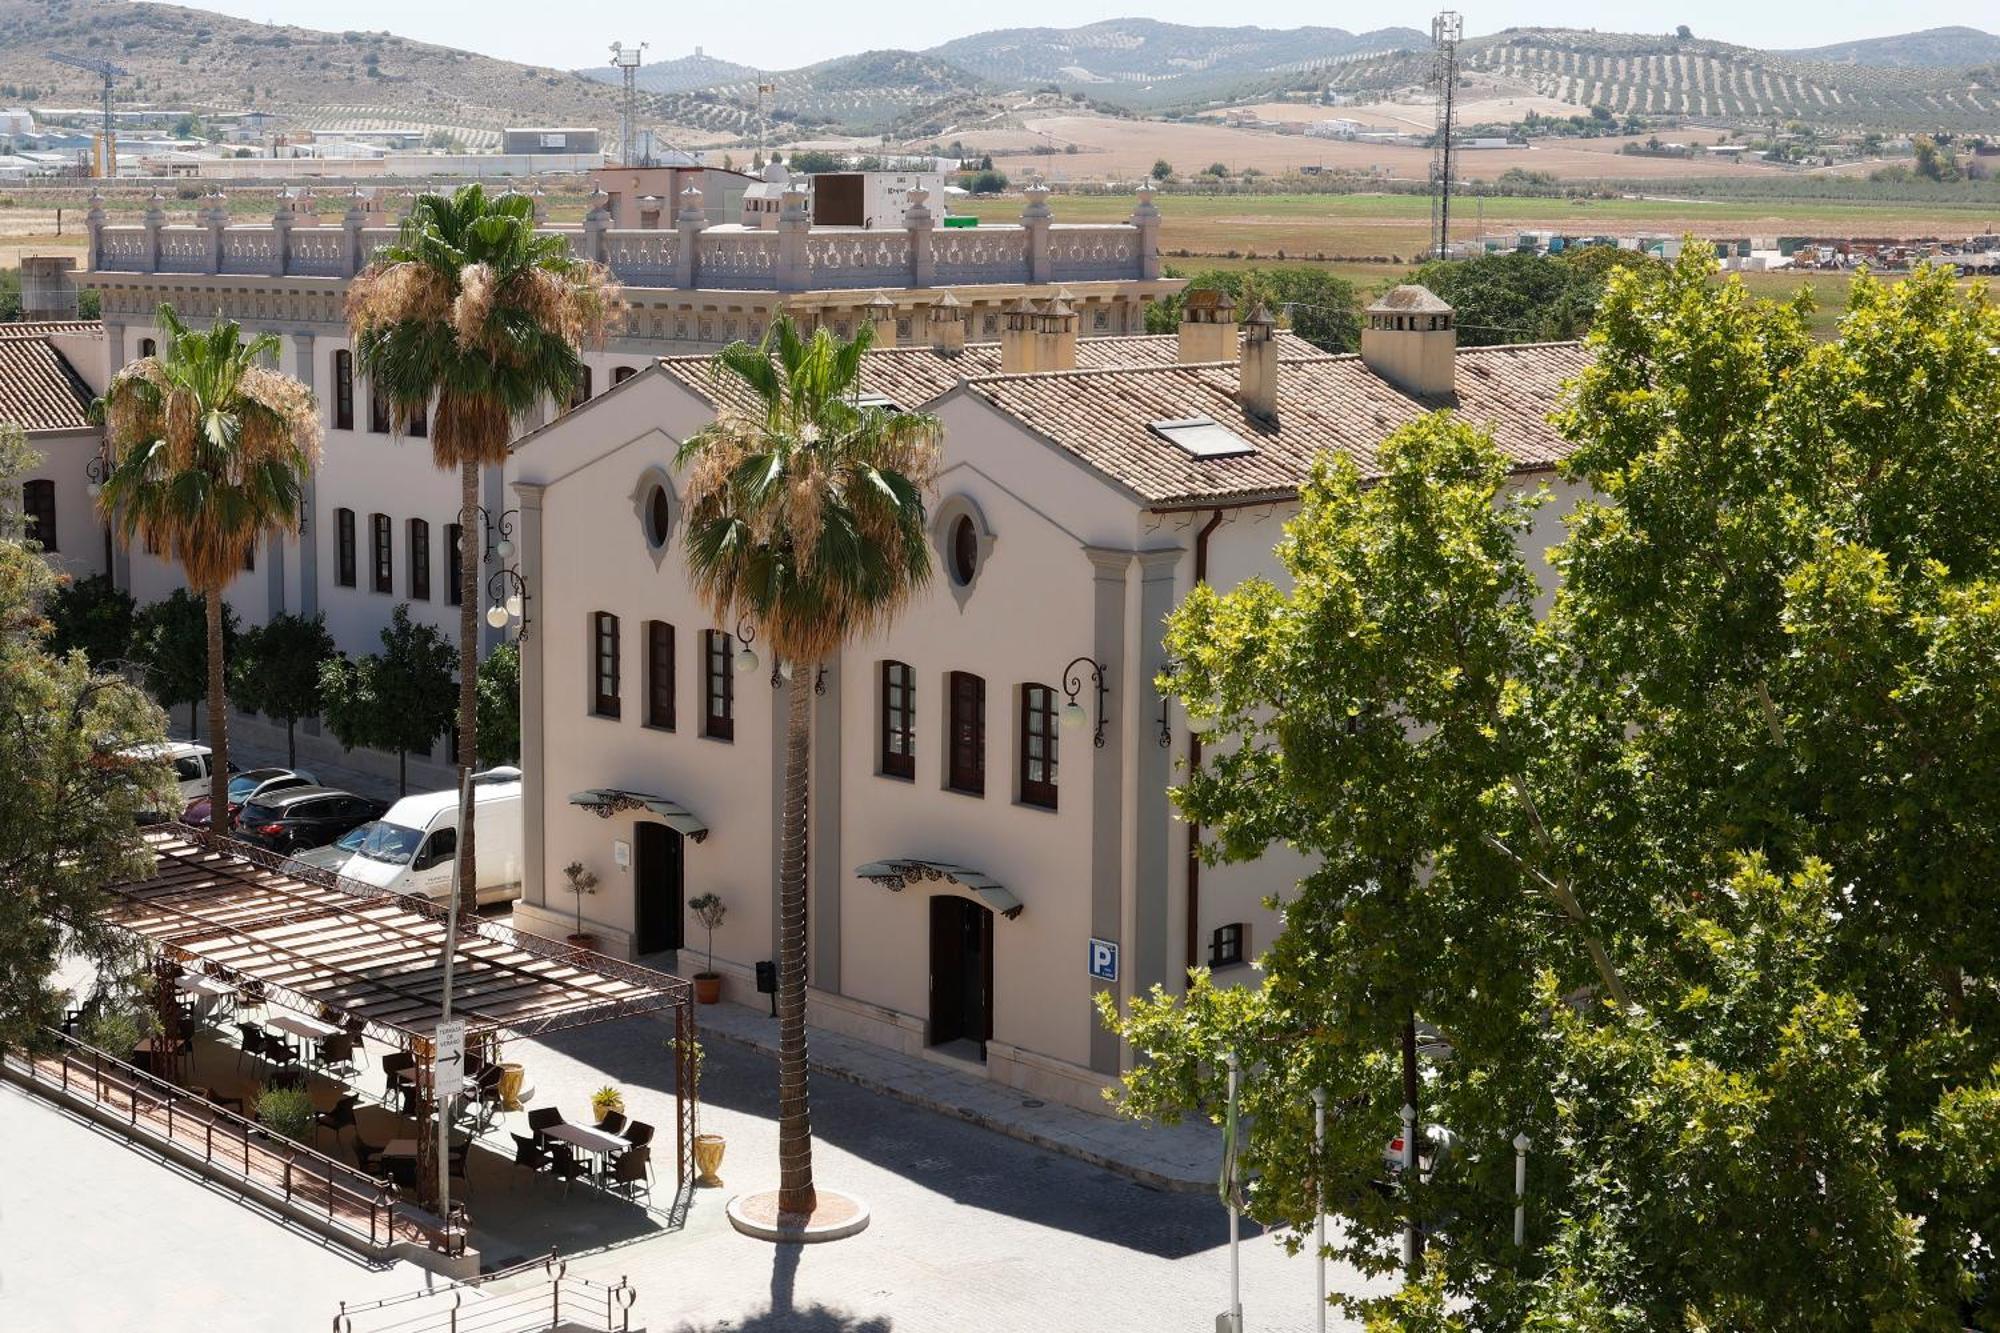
893,875
605,802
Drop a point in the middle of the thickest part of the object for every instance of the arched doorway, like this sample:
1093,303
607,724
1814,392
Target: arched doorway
961,975
658,888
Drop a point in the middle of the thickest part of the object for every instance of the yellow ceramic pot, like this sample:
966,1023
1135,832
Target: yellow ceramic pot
708,1149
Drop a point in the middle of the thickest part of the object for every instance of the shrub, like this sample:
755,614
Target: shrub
286,1111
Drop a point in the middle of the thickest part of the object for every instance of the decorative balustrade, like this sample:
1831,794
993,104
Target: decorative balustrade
794,257
975,255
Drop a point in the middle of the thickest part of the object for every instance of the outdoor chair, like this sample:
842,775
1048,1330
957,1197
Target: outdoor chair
402,1171
396,1088
639,1134
613,1122
366,1153
279,1050
632,1172
337,1117
486,1095
540,1119
529,1153
564,1166
253,1043
337,1051
456,1157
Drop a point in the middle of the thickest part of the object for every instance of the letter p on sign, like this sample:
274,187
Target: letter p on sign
1103,960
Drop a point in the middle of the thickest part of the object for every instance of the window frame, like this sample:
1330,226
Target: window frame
346,557
38,506
605,653
580,395
343,389
718,684
1229,945
897,721
380,419
660,683
381,554
1039,718
621,374
419,538
965,734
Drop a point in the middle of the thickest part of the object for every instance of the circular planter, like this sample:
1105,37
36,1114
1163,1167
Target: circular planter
707,987
708,1150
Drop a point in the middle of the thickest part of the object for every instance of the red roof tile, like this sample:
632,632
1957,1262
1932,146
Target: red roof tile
38,389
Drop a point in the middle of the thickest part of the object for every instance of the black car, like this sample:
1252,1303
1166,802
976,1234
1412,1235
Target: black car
297,818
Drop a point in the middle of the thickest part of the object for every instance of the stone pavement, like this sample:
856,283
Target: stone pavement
1183,1157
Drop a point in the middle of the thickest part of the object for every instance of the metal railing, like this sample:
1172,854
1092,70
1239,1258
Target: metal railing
358,1207
558,1301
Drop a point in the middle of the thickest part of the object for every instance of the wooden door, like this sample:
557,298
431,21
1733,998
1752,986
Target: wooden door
961,971
657,873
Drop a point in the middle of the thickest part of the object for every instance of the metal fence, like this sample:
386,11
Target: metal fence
553,1300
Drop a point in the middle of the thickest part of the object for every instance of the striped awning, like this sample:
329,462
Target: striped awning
605,802
893,875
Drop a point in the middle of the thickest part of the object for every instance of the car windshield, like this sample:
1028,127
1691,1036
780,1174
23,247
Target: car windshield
243,784
383,841
188,769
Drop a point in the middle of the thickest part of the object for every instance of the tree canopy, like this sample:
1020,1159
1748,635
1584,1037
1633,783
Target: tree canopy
170,637
1688,881
402,698
500,706
93,616
1313,303
276,671
1521,297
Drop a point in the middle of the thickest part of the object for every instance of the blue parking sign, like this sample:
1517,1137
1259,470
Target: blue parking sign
1103,960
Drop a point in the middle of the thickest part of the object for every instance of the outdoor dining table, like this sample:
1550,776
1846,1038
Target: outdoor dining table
589,1139
400,1148
206,987
301,1026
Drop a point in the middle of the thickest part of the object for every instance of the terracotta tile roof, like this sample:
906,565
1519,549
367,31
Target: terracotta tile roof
1325,403
38,389
913,376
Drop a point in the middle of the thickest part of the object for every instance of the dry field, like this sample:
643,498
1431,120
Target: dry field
1110,149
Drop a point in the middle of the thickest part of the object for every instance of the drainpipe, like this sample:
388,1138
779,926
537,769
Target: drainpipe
1194,762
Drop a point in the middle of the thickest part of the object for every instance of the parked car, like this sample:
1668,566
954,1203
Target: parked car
412,847
190,761
298,818
247,786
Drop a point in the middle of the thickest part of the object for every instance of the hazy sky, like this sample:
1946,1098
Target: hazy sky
781,34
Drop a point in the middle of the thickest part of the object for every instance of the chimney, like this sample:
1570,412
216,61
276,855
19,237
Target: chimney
1409,340
882,320
1018,341
1055,334
1257,381
48,286
1208,326
947,325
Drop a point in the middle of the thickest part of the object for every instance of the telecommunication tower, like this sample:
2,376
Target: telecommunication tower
627,59
1446,30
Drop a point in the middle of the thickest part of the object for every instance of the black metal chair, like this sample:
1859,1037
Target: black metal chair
564,1166
398,1085
366,1153
529,1152
638,1135
337,1051
613,1122
540,1119
279,1049
631,1172
253,1043
337,1117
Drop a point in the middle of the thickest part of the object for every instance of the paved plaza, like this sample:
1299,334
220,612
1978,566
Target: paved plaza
972,1230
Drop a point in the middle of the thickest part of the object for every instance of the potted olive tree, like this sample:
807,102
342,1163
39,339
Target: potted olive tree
709,910
581,881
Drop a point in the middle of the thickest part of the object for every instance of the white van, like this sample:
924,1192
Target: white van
411,848
190,763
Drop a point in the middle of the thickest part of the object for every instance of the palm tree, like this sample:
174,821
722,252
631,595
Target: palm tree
806,519
209,451
472,314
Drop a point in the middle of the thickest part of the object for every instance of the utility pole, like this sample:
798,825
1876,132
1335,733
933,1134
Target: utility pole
1446,30
627,60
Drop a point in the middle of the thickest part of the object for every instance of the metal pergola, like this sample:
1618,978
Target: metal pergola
309,940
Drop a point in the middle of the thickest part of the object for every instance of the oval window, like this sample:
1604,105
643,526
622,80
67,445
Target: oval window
659,517
964,551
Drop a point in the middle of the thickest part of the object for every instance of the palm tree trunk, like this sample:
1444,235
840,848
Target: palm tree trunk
218,725
795,1174
468,672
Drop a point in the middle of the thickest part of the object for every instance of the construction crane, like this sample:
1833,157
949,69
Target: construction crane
107,149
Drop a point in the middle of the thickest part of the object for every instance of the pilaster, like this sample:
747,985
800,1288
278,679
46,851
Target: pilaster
1155,823
534,741
304,352
1107,780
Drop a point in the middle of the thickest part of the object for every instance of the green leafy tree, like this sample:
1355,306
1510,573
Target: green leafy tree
1163,170
1700,860
1519,297
70,806
276,671
1315,304
170,641
209,452
500,706
402,698
805,516
475,316
93,616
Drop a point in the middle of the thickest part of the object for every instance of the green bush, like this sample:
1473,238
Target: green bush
286,1111
114,1029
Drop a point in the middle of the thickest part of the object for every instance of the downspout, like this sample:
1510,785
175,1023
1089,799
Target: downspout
1194,762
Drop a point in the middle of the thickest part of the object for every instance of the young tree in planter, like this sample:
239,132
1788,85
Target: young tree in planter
805,516
170,640
277,671
402,698
92,616
209,453
70,804
709,910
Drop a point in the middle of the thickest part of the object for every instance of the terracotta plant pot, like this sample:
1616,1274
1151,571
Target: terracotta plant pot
707,987
708,1150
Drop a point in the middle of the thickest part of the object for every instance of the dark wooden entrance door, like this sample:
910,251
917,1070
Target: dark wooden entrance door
657,876
961,971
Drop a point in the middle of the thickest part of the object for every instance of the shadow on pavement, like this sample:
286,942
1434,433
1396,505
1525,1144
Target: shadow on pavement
971,1165
783,1316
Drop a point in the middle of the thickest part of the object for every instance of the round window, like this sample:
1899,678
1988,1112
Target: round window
658,517
964,550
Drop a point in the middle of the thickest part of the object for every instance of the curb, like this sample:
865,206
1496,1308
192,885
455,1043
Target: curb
1149,1178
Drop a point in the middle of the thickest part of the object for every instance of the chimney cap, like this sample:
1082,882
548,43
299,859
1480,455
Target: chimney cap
947,300
1260,314
881,302
1409,299
1209,298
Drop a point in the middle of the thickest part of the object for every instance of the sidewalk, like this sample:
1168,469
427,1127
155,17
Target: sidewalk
1185,1158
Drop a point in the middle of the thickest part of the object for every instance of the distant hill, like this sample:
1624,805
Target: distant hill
676,76
1942,48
